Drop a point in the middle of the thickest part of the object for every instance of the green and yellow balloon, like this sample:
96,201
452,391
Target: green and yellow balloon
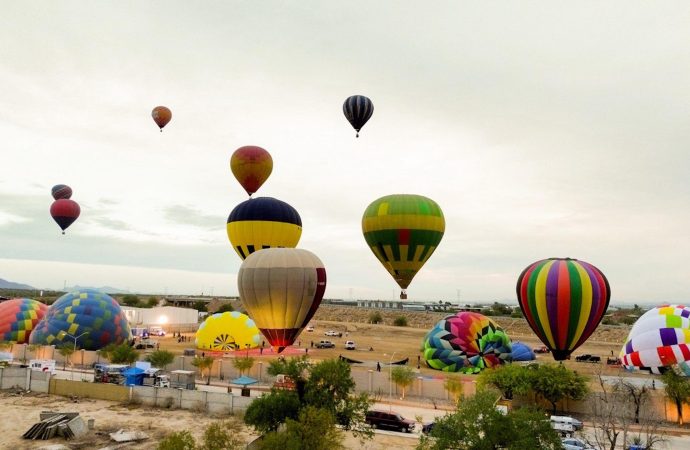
403,231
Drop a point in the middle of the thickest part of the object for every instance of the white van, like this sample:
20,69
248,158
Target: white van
565,425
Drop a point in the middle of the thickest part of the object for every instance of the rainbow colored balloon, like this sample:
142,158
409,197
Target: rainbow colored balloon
563,301
18,317
91,316
659,339
467,342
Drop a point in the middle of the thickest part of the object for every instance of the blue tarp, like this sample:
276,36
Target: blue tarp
244,380
134,376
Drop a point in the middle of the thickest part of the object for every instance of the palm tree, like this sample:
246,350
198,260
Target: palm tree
243,364
66,350
204,363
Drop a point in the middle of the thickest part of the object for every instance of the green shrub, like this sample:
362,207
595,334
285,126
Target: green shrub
181,440
400,321
375,317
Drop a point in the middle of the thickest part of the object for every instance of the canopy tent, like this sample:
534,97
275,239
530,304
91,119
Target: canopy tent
134,376
244,380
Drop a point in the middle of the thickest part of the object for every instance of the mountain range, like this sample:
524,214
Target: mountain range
4,284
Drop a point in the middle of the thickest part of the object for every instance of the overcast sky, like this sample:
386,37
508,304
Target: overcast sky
542,129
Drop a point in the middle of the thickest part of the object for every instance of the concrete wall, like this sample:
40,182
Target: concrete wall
212,402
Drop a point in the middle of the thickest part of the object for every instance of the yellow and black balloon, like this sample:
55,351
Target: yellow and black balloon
263,222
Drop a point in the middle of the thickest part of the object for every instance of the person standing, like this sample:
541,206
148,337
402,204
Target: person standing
378,366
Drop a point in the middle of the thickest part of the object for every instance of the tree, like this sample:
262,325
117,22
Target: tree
477,425
130,300
225,307
222,436
295,368
403,377
204,364
200,306
375,317
554,382
180,440
314,430
267,412
400,321
66,350
152,302
243,364
509,379
453,385
677,390
123,354
330,386
614,411
161,358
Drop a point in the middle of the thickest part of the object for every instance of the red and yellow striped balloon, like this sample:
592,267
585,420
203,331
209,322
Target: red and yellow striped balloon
563,301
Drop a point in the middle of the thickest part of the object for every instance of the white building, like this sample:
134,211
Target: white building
164,316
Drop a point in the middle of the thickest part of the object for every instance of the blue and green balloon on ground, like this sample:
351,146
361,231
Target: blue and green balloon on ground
84,311
466,342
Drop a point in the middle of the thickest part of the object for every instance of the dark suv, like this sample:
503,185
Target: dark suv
393,420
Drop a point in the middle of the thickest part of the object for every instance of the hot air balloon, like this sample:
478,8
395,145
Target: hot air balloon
161,115
281,289
358,110
251,166
659,339
522,352
466,342
263,222
91,316
18,317
563,301
64,212
227,331
61,191
403,231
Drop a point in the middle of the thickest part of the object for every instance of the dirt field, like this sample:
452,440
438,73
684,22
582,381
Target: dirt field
19,413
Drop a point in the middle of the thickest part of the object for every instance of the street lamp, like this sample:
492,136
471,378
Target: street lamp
64,333
390,383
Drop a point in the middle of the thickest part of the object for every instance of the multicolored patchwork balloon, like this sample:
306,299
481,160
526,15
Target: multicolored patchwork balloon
659,339
403,231
467,342
563,300
263,222
18,317
252,166
84,311
227,331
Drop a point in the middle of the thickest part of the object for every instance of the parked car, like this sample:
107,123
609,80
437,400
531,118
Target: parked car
310,328
334,333
575,444
541,349
391,420
145,343
565,425
588,358
156,331
350,345
428,427
325,344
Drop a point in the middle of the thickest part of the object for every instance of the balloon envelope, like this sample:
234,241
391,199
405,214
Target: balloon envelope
227,331
358,110
466,342
251,166
18,317
161,115
563,301
84,311
403,232
659,339
64,212
522,352
281,289
61,191
263,222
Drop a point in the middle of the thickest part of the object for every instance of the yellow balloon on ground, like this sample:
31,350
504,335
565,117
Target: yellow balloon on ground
227,331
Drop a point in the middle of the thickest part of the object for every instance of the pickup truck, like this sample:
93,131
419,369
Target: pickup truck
325,344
